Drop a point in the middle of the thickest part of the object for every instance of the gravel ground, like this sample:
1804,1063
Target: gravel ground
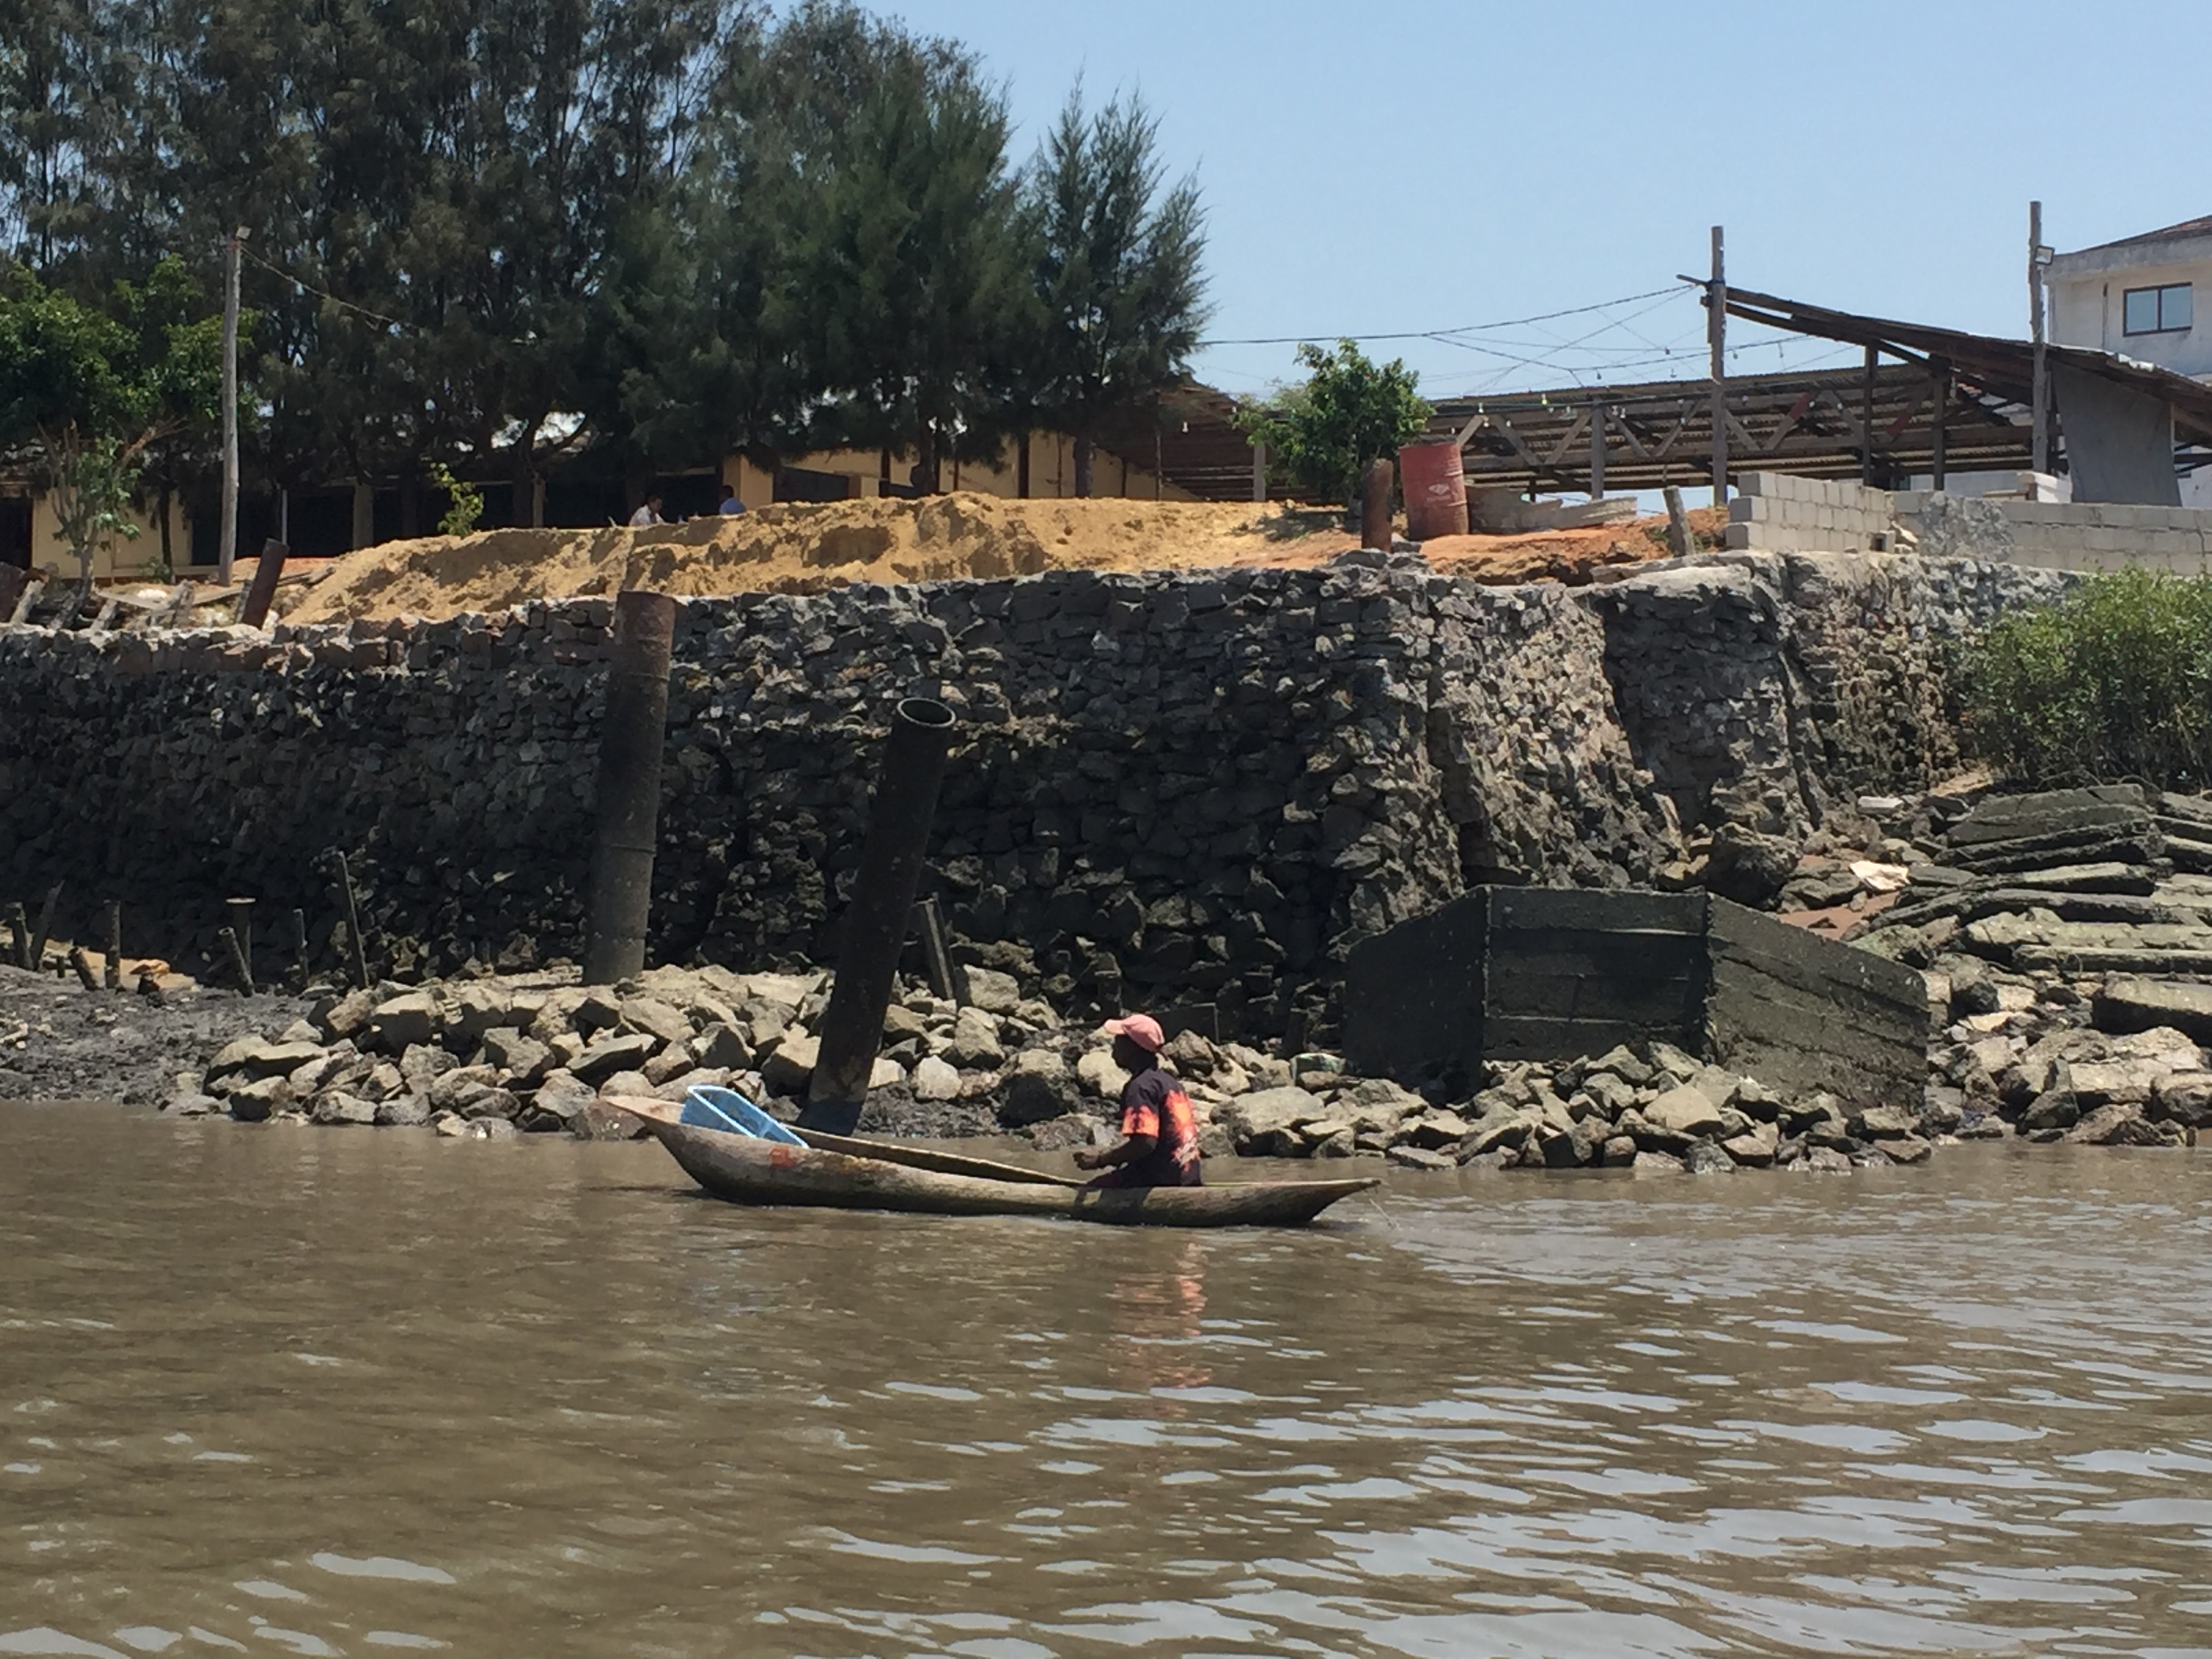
60,1041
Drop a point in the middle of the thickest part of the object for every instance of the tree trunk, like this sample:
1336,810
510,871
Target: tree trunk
168,559
523,508
926,467
1085,452
1022,469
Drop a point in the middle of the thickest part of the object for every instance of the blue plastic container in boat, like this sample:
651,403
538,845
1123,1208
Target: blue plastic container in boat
711,1107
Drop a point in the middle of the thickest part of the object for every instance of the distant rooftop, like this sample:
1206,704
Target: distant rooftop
2185,231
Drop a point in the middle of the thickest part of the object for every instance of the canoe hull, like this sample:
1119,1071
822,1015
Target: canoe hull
748,1171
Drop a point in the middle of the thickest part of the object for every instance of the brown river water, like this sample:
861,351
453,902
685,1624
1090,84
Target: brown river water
317,1391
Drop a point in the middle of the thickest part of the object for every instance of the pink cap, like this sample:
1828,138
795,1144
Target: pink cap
1140,1029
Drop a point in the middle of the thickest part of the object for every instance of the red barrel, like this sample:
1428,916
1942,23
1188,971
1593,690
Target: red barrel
1434,484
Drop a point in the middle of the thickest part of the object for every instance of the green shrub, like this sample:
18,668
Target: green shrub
465,507
2115,681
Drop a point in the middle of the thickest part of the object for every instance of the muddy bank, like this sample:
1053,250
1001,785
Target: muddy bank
58,1041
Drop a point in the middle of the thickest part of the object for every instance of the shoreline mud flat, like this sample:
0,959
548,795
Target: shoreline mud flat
492,1057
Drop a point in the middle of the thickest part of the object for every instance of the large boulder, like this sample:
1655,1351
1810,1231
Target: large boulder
993,991
976,1042
1748,867
1264,1123
656,1018
1687,1112
405,1021
337,1108
255,1102
723,1045
933,1079
522,1056
478,1007
563,1095
789,1067
1039,1086
257,1057
1098,1074
2131,1003
609,1054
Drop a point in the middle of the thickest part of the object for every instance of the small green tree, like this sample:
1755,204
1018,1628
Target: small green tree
464,502
1321,435
88,392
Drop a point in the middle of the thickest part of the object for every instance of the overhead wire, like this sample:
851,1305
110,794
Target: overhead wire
1432,333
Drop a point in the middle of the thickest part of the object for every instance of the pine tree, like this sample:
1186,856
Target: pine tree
1118,269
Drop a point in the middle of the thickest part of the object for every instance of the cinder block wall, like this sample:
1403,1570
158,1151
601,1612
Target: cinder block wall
1776,512
2088,535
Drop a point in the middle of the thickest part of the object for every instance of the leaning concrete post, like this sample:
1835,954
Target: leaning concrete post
254,610
631,737
876,921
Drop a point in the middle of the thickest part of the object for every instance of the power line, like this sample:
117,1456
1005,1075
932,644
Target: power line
1434,333
320,293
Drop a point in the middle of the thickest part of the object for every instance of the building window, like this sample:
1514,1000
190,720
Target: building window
2156,310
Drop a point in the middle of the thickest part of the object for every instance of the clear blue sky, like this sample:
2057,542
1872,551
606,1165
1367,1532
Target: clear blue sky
1411,165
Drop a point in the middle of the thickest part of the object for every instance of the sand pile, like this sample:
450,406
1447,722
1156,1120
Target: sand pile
803,549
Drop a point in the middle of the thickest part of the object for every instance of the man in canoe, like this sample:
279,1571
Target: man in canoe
1160,1133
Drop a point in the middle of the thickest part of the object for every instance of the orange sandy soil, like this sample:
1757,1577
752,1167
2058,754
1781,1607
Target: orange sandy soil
803,549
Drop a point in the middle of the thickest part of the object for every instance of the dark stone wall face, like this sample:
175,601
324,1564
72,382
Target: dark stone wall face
1172,786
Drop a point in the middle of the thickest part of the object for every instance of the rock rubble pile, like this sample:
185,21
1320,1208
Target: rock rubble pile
2057,930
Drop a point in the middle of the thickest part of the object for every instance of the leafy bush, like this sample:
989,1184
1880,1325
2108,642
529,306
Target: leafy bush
2115,681
1350,411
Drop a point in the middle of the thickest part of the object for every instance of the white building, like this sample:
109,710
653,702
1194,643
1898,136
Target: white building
2147,297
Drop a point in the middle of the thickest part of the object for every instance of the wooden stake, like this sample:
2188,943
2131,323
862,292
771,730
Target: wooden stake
942,979
46,929
241,969
83,964
19,934
300,946
353,924
32,590
1680,542
114,975
241,931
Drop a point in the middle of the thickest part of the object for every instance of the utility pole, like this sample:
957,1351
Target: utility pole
1717,332
2040,406
227,549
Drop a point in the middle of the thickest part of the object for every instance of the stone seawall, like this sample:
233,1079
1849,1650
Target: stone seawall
1173,786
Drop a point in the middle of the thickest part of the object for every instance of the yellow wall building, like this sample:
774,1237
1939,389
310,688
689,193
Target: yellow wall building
1052,473
30,534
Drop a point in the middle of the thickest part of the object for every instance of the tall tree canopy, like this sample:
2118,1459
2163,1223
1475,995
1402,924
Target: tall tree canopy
1118,275
500,233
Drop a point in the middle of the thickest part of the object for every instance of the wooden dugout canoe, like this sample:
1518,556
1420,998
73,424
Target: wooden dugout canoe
746,1170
